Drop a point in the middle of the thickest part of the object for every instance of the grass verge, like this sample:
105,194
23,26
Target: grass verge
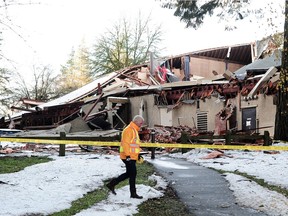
85,202
15,164
168,205
143,172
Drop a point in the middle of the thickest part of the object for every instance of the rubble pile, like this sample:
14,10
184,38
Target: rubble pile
170,134
13,147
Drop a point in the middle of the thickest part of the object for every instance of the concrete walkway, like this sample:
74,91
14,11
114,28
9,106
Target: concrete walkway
204,191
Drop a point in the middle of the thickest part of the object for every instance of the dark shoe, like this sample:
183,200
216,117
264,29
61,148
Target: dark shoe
111,187
136,196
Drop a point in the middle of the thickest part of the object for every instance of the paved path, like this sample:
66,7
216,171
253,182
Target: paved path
204,191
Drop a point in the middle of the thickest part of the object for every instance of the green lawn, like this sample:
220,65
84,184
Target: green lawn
15,164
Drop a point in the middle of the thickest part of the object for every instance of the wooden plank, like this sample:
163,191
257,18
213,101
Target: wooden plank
118,99
270,72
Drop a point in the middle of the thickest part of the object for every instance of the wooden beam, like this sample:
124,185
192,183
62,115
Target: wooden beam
270,72
22,109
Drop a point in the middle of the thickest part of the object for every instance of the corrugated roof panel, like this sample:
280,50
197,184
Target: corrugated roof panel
241,54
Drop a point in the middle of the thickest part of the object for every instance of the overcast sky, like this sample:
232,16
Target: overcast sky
52,28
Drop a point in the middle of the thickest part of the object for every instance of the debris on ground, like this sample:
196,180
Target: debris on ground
271,152
214,154
6,151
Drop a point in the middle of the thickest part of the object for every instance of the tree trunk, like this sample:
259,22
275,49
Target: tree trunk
281,120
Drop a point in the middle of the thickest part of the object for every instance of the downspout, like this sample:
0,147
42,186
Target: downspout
187,67
253,52
227,57
152,69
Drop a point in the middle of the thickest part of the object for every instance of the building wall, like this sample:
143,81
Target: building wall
186,114
233,67
205,67
150,113
212,106
265,112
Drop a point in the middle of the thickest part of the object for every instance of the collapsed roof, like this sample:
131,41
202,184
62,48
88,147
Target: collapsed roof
139,80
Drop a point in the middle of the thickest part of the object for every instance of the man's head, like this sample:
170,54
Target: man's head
138,120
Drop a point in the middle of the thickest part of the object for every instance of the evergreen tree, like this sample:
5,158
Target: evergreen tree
6,91
76,72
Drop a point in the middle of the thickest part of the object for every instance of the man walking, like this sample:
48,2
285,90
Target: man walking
129,153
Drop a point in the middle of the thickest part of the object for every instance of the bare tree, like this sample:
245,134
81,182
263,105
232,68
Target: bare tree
8,95
125,44
6,23
42,87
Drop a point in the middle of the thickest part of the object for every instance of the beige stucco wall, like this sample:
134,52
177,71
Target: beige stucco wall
265,112
212,106
186,114
205,67
151,112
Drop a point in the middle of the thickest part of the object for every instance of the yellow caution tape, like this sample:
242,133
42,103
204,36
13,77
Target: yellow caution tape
47,141
235,147
157,145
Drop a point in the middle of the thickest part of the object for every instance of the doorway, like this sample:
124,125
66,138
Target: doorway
249,119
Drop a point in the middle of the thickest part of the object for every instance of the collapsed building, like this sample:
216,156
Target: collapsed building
212,91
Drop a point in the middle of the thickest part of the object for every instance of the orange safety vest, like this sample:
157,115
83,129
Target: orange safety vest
130,142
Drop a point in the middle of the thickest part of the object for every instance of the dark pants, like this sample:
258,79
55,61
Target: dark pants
130,173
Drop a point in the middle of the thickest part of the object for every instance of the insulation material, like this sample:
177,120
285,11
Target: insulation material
222,117
143,74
